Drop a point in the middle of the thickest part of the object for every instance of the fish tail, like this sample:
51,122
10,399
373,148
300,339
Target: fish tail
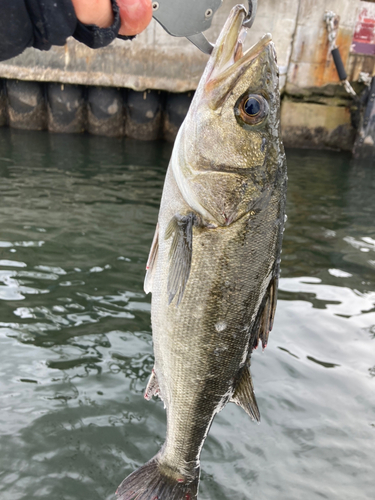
155,481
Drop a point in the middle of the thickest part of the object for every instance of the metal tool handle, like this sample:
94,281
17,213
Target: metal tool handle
185,18
249,19
190,19
200,41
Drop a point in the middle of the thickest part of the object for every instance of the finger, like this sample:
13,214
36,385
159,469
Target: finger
135,16
97,12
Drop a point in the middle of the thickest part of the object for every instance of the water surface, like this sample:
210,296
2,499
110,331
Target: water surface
77,219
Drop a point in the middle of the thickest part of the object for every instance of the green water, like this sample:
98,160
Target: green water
77,219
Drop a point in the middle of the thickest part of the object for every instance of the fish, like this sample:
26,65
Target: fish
214,262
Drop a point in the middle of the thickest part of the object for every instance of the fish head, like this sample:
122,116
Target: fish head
229,146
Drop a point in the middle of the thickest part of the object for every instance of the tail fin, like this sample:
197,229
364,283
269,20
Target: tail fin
152,482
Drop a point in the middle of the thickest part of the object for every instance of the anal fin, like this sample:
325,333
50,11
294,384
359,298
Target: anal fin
244,395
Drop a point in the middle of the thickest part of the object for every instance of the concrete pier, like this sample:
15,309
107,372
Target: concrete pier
142,88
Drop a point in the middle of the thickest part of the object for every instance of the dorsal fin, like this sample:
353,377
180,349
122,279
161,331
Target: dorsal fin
152,257
244,395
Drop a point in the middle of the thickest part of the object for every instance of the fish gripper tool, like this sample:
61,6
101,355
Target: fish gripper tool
183,18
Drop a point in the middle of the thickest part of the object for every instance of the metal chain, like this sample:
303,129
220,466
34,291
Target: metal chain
329,18
365,78
349,88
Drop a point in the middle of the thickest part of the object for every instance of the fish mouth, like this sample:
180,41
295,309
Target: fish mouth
228,61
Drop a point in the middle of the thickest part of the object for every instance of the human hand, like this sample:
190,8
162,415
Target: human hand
135,14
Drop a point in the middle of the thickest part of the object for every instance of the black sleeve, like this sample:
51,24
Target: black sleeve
96,37
43,23
52,20
15,28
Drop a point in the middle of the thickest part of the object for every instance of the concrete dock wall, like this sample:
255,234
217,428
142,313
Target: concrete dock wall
157,62
154,59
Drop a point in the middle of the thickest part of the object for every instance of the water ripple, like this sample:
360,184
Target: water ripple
78,215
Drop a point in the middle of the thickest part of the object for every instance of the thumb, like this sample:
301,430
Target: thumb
135,16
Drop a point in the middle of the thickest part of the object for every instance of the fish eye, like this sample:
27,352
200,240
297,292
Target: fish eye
252,106
252,109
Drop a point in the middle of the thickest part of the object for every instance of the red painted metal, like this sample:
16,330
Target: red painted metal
364,33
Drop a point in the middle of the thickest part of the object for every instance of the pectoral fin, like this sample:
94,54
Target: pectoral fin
150,266
180,254
265,321
244,395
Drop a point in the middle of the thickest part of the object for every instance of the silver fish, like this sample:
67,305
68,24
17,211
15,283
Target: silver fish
214,262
